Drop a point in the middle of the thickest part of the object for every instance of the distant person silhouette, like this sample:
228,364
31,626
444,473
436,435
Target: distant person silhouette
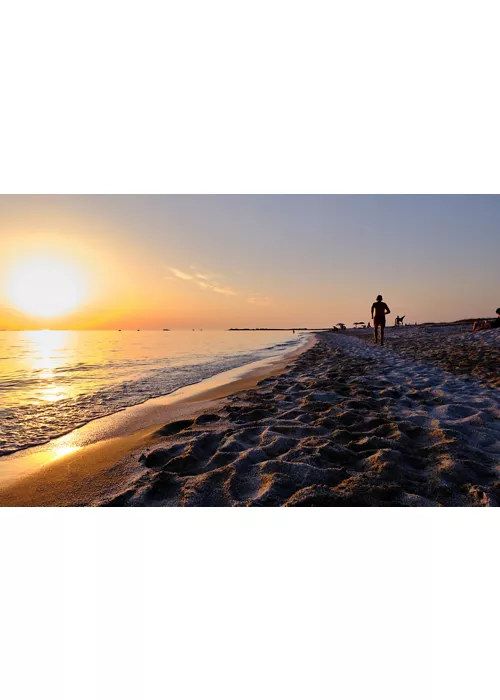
496,322
379,312
485,325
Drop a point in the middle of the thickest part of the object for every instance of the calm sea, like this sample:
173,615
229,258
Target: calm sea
54,381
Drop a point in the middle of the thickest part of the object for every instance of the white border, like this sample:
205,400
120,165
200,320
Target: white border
261,97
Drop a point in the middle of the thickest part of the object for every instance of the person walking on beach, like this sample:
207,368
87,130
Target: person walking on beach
379,312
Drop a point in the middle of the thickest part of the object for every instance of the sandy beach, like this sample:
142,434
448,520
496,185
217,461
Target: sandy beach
347,423
350,424
87,465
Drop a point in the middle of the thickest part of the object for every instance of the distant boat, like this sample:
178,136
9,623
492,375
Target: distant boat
166,329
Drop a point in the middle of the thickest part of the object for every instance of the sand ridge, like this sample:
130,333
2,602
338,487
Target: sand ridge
349,424
457,350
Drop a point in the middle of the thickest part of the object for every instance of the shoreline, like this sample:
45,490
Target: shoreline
53,428
343,423
348,424
80,465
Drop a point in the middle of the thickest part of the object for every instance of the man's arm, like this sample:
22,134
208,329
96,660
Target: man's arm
387,309
373,309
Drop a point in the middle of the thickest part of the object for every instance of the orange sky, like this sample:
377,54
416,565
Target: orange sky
214,261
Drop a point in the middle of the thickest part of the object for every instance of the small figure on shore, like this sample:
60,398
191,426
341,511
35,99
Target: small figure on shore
379,311
486,325
400,320
496,322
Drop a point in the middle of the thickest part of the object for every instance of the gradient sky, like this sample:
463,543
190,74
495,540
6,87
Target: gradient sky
215,261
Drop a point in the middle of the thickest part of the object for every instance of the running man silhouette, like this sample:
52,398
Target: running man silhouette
379,312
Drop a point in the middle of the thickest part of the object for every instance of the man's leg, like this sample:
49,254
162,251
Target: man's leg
375,332
382,330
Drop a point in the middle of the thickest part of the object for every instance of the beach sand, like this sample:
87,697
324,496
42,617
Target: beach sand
85,466
416,423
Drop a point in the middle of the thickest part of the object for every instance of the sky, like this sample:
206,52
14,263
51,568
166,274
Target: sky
220,261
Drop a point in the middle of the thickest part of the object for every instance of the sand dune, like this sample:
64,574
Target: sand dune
349,424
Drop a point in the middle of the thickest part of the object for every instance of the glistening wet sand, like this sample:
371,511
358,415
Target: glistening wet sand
83,467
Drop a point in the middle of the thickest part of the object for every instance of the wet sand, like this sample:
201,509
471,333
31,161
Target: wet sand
85,466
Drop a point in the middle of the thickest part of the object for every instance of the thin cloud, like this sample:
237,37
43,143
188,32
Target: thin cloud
203,281
260,301
181,275
224,290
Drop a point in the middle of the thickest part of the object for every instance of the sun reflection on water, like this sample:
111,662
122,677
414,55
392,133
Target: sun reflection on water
48,349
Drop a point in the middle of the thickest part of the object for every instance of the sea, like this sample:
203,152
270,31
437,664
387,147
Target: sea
52,382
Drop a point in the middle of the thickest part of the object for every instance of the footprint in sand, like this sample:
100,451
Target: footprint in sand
158,458
455,411
175,427
206,418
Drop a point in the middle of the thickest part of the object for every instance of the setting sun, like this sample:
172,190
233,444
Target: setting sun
46,286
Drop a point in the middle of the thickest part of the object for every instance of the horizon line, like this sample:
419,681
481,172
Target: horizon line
225,329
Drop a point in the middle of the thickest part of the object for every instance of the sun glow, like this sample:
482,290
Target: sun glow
46,286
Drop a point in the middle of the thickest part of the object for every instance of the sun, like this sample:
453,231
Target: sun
46,286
